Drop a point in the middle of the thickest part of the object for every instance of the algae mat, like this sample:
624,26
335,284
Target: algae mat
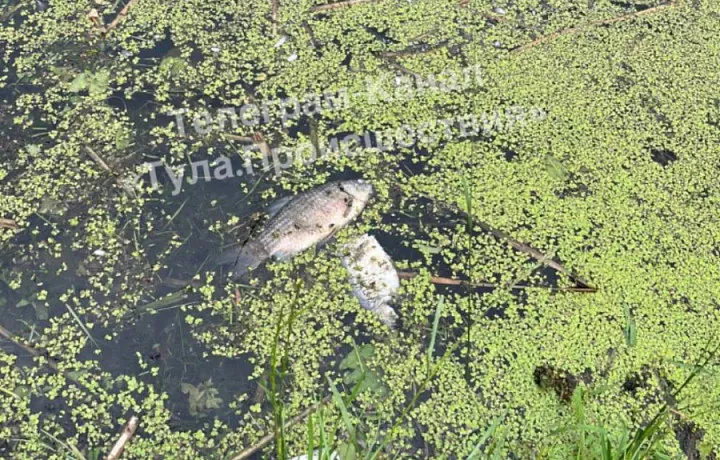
546,179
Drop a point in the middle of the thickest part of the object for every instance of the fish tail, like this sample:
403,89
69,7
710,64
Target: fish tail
243,259
228,257
248,259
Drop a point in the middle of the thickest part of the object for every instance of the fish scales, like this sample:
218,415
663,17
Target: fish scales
311,206
305,220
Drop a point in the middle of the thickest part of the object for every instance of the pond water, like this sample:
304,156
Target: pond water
544,182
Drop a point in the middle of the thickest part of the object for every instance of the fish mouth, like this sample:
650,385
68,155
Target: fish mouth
360,189
367,186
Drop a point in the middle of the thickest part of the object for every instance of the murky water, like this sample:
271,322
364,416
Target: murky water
90,265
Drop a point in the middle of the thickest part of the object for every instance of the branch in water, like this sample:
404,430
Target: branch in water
455,282
5,333
9,224
338,5
601,22
120,16
127,433
295,420
100,162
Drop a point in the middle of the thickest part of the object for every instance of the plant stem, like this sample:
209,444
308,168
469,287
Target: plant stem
293,421
601,22
337,5
456,282
125,435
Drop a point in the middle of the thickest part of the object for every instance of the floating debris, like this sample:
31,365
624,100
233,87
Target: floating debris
281,42
372,276
304,221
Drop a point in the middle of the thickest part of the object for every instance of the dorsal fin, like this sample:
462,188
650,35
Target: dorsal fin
277,205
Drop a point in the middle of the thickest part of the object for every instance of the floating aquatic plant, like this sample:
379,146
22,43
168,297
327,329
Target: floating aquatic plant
594,144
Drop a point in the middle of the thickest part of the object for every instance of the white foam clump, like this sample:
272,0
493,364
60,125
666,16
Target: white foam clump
373,277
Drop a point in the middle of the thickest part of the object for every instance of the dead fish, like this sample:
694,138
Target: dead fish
304,221
373,277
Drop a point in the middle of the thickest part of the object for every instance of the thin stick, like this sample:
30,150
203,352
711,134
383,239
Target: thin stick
456,282
234,137
97,159
395,65
9,223
293,421
415,49
313,40
257,137
262,143
534,253
338,5
33,351
8,14
125,435
178,283
601,22
274,5
120,16
81,324
522,247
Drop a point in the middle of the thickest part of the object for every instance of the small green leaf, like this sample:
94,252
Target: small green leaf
79,83
351,360
346,451
555,168
99,82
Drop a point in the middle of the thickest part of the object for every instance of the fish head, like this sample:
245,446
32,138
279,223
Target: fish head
359,189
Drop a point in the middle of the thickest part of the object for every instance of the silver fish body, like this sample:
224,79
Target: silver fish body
372,276
307,219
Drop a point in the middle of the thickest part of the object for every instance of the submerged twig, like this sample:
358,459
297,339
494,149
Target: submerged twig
163,302
311,34
415,49
259,139
534,253
5,333
274,5
179,283
455,282
293,421
401,68
127,433
235,137
9,13
599,22
522,247
9,224
120,16
97,159
338,5
82,325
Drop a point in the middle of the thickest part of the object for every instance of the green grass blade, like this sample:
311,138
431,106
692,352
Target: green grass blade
69,447
475,454
436,323
347,420
82,325
311,437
